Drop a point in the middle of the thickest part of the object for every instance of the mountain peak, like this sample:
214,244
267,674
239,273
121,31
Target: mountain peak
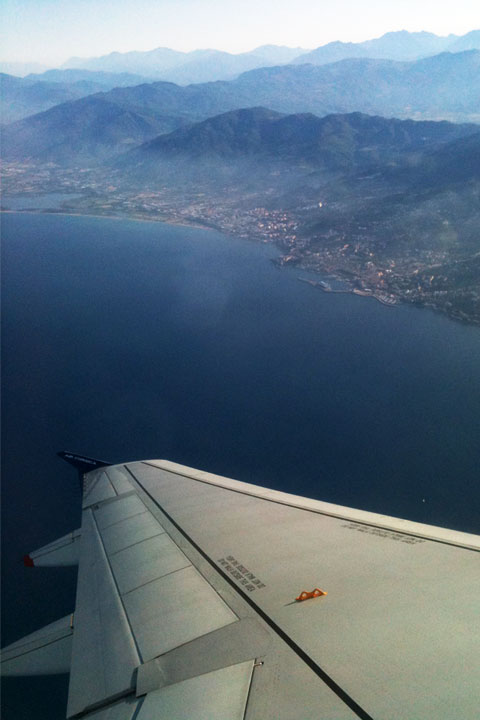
394,45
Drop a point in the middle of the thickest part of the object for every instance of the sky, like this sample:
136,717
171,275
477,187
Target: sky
50,31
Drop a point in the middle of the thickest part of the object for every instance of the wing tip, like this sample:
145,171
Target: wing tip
82,462
28,561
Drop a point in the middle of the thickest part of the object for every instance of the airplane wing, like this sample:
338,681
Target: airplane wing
203,597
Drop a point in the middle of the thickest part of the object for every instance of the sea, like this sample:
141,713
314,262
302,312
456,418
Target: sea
128,340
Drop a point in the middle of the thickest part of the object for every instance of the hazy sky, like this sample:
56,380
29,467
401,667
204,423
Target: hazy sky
50,31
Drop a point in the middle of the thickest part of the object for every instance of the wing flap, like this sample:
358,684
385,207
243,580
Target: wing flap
173,610
130,531
165,598
146,561
138,597
230,645
218,695
104,654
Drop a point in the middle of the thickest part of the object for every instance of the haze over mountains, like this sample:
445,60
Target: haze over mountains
445,86
207,65
188,67
263,138
81,77
401,45
367,167
32,94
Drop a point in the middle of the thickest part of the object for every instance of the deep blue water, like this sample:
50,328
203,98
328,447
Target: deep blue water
127,340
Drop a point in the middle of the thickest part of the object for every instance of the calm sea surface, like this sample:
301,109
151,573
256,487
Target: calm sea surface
126,340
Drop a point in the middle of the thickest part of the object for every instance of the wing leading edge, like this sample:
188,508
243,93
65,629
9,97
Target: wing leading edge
186,605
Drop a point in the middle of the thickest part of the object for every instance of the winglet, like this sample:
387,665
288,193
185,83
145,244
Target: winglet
27,561
82,462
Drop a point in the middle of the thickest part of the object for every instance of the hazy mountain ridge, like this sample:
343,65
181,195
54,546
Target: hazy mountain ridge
470,41
90,129
400,45
22,97
225,66
433,87
444,86
209,65
135,114
335,142
188,67
138,62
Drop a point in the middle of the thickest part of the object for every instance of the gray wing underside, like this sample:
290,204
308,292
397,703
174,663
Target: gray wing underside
186,605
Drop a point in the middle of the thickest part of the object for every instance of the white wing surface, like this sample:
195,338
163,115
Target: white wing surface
190,605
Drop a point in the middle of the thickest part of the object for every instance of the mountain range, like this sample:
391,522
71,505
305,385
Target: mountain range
373,173
400,45
335,143
81,77
188,67
209,65
446,86
32,94
87,130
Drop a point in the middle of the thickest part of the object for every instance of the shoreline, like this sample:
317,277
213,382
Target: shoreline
200,226
135,218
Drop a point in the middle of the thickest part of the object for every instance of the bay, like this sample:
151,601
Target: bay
129,340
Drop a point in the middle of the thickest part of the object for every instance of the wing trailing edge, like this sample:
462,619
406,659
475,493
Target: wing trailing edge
45,652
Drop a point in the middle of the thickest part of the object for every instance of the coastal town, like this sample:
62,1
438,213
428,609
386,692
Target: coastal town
312,236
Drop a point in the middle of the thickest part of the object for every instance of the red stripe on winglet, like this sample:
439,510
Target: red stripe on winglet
27,561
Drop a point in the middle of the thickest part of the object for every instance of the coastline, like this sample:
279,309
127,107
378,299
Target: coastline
135,218
203,226
326,288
